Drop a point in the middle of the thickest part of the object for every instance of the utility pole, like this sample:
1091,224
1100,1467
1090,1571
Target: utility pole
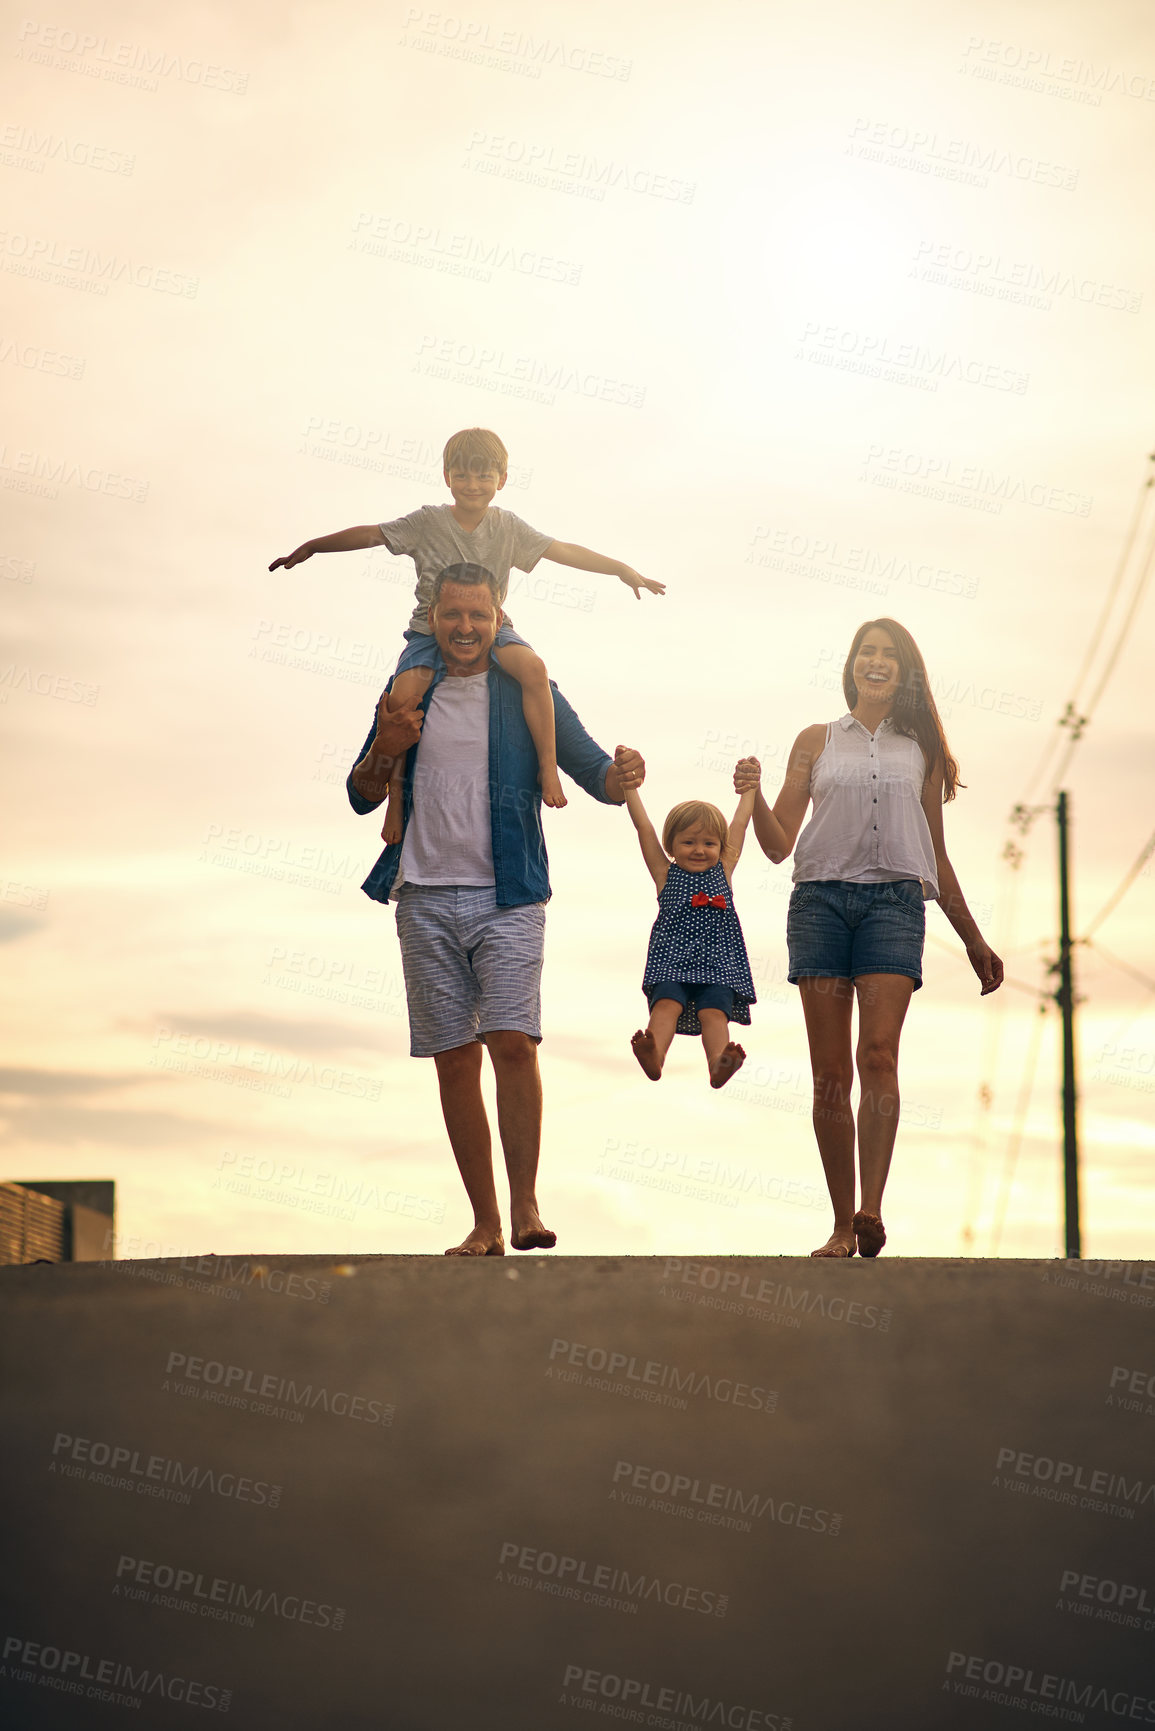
1065,998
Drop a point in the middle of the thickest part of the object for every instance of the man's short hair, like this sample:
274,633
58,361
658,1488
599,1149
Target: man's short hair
470,577
475,448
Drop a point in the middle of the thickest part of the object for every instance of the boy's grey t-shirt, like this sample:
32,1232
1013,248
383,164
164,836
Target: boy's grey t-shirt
433,538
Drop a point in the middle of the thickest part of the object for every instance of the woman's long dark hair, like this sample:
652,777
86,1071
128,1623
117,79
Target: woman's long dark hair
914,711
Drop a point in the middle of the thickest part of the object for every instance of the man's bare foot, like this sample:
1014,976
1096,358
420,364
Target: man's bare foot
552,792
840,1243
729,1059
482,1241
530,1234
646,1052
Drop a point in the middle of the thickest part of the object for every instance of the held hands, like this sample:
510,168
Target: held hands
635,581
630,767
747,775
304,551
986,965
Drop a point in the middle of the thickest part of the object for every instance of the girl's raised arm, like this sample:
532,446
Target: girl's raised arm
652,850
736,833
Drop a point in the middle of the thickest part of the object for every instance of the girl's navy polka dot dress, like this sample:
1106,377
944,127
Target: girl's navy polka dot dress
699,945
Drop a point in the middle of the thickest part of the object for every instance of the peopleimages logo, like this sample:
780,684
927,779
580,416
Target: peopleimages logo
652,1376
154,1474
585,1684
577,1572
1015,1685
66,1670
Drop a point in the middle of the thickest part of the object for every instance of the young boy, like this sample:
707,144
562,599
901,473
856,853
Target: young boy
472,531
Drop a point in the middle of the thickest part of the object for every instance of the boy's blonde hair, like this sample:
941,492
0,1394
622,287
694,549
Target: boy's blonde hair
686,815
475,448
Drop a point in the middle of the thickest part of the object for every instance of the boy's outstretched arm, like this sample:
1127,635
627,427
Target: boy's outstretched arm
581,559
344,541
736,832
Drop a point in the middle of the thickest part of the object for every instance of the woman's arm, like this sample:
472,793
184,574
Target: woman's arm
736,833
777,830
652,850
982,958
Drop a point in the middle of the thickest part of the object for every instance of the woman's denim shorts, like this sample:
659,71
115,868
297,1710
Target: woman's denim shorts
838,930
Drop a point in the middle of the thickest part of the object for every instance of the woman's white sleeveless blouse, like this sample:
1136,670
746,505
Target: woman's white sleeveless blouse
868,825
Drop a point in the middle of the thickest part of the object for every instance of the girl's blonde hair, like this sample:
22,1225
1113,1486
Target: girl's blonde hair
686,815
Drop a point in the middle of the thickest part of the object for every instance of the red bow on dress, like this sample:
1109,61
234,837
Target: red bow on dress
704,901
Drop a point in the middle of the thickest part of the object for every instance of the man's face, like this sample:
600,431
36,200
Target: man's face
465,624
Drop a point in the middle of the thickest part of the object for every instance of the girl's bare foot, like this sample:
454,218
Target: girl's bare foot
552,792
729,1059
646,1052
840,1243
482,1241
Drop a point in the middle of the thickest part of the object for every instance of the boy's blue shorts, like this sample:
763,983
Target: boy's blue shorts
421,648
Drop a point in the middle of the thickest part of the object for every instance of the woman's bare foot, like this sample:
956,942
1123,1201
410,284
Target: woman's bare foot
729,1059
552,792
647,1054
528,1233
482,1241
840,1243
870,1233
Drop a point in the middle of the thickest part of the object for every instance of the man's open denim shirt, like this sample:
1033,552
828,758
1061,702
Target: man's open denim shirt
520,863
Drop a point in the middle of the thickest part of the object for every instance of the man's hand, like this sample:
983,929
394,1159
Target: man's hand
747,775
396,731
626,773
304,551
635,581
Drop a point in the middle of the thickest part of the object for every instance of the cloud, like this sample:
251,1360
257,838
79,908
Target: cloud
314,1038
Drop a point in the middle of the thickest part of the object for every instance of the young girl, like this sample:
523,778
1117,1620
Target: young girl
870,856
697,976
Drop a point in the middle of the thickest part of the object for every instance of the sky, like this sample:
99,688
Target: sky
811,312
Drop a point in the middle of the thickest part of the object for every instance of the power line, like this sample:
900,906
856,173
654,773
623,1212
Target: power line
1015,1142
1125,967
1072,719
1112,902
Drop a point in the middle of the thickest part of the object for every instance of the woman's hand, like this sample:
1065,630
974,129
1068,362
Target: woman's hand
747,775
986,965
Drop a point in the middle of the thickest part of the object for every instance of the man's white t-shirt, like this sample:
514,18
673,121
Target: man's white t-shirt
448,839
434,538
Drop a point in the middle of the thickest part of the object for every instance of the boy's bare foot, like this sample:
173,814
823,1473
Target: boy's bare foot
552,792
482,1241
840,1243
729,1059
528,1233
646,1052
391,828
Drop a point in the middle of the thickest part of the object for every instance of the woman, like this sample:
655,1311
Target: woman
872,852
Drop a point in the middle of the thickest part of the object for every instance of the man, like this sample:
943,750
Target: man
470,877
